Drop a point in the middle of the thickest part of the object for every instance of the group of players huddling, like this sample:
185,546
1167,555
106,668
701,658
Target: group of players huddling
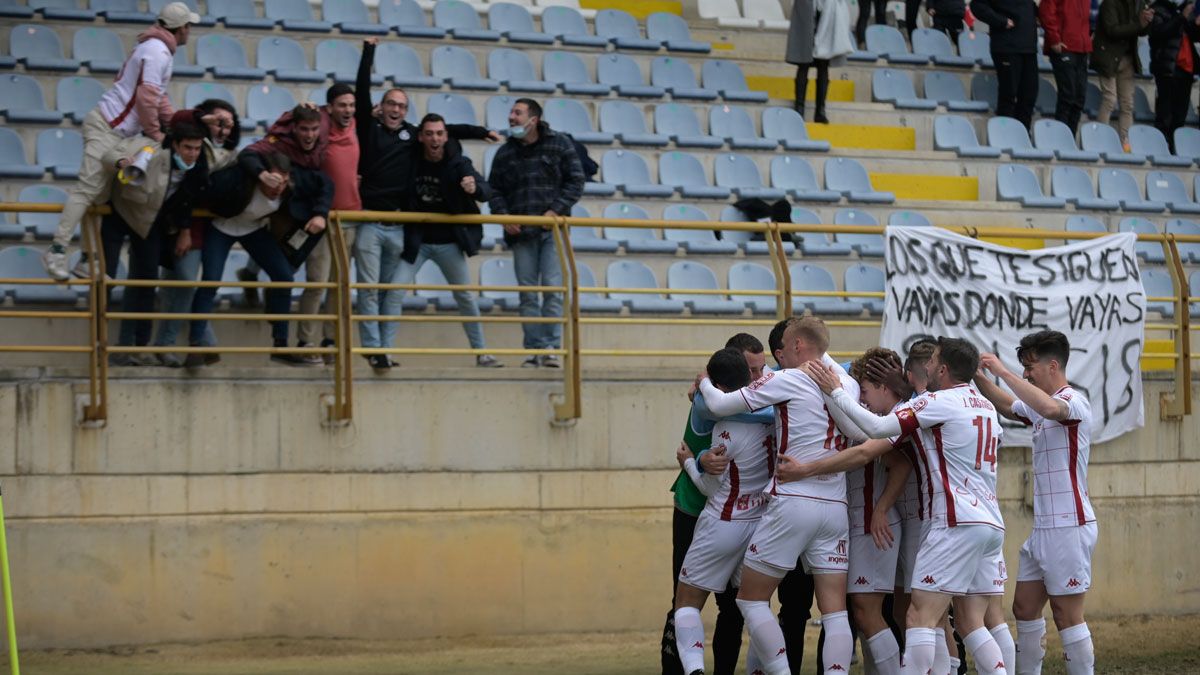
886,477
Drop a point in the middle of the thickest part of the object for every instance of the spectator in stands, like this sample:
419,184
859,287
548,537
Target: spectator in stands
912,10
385,166
1115,58
1068,42
830,47
864,16
535,173
1012,25
1174,31
133,110
947,16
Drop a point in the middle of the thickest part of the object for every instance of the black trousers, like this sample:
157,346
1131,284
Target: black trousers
144,256
1172,96
864,15
951,26
1017,86
912,8
1070,76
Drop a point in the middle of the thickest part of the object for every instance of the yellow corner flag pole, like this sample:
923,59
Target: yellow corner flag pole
11,625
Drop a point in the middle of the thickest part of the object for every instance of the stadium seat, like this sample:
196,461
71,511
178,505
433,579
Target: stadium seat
740,174
264,103
400,64
894,86
585,238
1194,291
678,121
284,58
1143,112
1188,252
14,163
122,11
453,107
684,172
767,13
787,126
860,278
815,243
407,18
947,90
1148,141
238,14
676,76
37,47
294,15
726,13
1017,183
1148,251
796,176
461,21
339,58
1012,137
98,49
1091,104
671,31
908,219
689,275
866,245
748,241
182,65
1054,136
12,9
635,239
76,97
888,43
1143,48
745,276
1047,98
458,68
1118,185
1073,185
635,274
198,92
628,124
489,154
1157,284
733,124
628,172
60,151
1187,143
984,88
694,241
515,24
976,45
569,115
9,230
24,262
44,225
225,58
935,45
727,79
621,29
1169,189
568,72
806,277
593,302
952,132
351,16
1103,139
622,74
568,27
495,115
848,177
514,70
499,272
1085,224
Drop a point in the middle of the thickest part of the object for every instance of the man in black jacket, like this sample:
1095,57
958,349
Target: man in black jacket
1013,29
1174,30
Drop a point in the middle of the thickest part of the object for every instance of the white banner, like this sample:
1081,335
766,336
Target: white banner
942,283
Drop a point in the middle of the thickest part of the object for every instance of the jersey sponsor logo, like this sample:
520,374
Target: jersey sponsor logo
919,404
928,580
1073,583
754,386
861,581
841,547
725,435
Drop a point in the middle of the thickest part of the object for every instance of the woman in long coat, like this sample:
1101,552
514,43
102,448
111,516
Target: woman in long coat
817,35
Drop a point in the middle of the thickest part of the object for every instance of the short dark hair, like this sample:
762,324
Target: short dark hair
339,89
277,161
959,356
744,342
1045,344
775,338
186,131
534,108
919,354
727,368
208,105
858,369
302,113
430,118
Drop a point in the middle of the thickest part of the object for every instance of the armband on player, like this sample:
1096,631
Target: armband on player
908,422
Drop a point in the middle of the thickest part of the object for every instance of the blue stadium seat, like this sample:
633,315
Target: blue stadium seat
1187,143
21,100
1143,113
295,15
684,172
1012,137
407,18
908,219
567,71
198,92
339,59
1047,98
787,126
948,91
454,108
671,31
733,124
14,163
24,262
493,233
76,96
1103,139
694,241
351,16
744,276
515,24
1148,141
689,275
60,151
64,10
238,14
984,88
12,9
9,230
1194,291
622,74
860,278
495,114
806,277
121,11
952,132
635,274
593,302
935,45
400,64
284,58
515,71
1157,284
1054,136
866,245
1148,251
747,240
894,86
1143,48
628,124
1073,185
1085,224
458,68
182,65
677,78
888,43
679,122
489,154
225,58
570,116
1018,184
264,103
740,174
44,225
1118,185
1169,189
461,21
815,243
1189,252
727,79
566,24
628,172
38,48
977,46
499,272
98,49
635,239
585,238
796,175
622,30
848,177
1091,103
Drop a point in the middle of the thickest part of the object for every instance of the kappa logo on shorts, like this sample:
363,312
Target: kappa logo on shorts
928,580
861,581
753,549
698,645
1073,583
999,665
837,666
781,652
683,572
841,547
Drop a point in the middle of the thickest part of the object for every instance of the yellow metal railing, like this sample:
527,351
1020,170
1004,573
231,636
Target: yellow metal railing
342,316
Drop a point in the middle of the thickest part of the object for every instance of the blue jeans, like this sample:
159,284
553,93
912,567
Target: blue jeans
535,263
450,259
178,300
377,250
263,249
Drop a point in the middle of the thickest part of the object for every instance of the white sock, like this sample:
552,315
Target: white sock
766,637
1077,643
1008,648
753,663
941,653
954,664
689,638
884,651
1030,651
839,643
918,650
988,658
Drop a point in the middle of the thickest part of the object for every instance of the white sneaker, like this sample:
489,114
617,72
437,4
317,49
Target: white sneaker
487,361
549,361
531,362
56,265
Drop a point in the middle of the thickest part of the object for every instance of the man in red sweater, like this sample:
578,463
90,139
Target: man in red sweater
1068,41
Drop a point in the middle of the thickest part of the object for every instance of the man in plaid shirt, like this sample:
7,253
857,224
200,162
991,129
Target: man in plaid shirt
536,173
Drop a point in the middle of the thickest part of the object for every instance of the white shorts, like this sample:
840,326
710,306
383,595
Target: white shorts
912,530
1060,557
792,526
715,557
872,570
962,560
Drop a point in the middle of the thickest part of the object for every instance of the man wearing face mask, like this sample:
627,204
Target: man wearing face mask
536,173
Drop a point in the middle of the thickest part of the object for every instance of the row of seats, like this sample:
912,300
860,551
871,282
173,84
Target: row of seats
1118,190
133,11
1148,251
59,152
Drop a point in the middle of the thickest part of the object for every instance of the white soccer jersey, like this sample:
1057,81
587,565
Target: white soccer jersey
911,504
1060,460
751,452
957,433
150,64
864,486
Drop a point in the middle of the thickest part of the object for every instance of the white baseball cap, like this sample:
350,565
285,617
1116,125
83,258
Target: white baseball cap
177,15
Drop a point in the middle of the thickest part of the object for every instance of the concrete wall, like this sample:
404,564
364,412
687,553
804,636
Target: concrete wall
221,508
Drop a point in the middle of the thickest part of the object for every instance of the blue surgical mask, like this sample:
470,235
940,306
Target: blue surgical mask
517,132
181,166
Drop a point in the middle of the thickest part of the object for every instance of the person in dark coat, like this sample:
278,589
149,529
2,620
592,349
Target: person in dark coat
801,36
1115,58
1174,31
1012,25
